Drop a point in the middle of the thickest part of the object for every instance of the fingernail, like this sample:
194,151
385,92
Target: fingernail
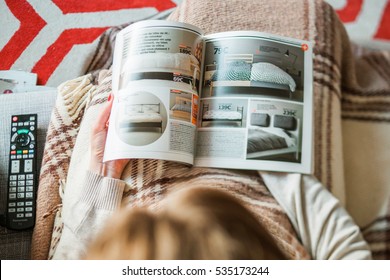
107,123
109,97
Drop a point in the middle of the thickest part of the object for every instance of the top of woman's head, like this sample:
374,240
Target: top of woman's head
194,223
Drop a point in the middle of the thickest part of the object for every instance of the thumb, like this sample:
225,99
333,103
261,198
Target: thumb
104,115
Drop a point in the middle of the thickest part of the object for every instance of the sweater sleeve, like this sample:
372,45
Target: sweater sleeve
324,227
83,219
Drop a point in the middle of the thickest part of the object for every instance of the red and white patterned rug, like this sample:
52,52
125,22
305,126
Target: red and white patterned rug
56,38
367,21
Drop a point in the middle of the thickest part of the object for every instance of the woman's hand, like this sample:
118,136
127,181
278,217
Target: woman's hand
112,168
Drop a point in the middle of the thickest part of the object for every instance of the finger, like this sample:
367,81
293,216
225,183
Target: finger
104,116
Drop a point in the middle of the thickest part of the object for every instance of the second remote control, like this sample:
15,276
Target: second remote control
22,178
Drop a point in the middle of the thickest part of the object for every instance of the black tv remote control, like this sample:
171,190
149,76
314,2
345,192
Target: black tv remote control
22,177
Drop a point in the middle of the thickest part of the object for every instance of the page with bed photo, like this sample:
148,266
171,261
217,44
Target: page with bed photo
156,77
256,103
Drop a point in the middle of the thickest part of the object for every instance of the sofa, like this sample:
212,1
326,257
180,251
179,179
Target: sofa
351,120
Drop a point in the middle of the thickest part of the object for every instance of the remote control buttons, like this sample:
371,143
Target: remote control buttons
13,138
23,139
15,166
31,136
28,165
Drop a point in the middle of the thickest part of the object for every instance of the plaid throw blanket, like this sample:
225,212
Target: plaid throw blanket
351,123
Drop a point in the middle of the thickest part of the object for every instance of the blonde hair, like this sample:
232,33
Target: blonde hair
197,223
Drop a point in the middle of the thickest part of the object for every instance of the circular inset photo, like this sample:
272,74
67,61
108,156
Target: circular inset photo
142,118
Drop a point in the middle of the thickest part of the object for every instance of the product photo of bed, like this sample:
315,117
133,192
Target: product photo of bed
220,117
153,66
144,117
242,71
272,136
182,108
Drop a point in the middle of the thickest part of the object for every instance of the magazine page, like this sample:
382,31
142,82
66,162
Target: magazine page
156,73
256,103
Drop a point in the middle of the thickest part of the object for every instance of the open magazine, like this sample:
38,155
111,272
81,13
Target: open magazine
229,100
